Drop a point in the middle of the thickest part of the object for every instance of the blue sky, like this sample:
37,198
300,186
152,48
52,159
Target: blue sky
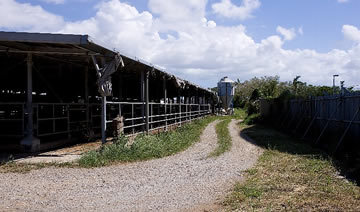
321,20
313,38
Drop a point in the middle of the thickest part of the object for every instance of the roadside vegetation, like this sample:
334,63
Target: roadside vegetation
146,147
291,176
223,138
222,131
248,93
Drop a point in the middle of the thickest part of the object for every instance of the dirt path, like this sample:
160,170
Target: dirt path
186,181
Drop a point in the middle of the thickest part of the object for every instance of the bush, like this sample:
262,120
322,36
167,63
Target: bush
253,119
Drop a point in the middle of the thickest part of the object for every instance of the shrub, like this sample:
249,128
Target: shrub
253,119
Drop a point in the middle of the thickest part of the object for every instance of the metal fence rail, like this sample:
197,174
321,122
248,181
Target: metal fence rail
161,115
12,119
70,119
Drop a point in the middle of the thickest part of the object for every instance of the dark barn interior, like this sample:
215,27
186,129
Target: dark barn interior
74,83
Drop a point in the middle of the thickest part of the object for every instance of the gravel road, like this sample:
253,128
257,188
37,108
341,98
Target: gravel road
183,182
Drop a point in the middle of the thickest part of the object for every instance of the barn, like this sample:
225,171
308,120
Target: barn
57,89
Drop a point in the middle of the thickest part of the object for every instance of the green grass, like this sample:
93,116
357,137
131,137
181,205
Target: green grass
146,147
223,138
13,167
222,131
291,176
252,119
239,114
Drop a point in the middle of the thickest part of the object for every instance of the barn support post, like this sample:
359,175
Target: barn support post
165,102
86,93
179,102
142,97
120,87
190,105
103,119
198,101
147,99
30,142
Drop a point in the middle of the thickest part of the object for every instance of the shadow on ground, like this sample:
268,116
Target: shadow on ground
65,154
270,138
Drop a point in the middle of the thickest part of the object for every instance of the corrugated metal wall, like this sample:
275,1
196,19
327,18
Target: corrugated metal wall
335,118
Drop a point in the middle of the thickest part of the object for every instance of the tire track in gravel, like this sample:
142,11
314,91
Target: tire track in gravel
185,181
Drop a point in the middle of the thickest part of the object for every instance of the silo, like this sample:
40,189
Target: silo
226,91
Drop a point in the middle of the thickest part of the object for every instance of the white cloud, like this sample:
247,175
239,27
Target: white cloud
17,16
227,9
54,1
342,1
301,31
351,32
193,47
288,34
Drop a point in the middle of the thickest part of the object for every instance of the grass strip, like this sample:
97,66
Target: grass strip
222,131
291,176
13,167
146,147
223,138
239,114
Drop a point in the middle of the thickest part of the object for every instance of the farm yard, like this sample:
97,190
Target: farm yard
195,179
184,181
196,105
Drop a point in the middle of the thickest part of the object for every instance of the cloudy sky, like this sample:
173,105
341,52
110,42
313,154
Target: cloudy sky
204,40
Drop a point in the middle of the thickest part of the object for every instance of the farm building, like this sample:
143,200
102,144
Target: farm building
57,88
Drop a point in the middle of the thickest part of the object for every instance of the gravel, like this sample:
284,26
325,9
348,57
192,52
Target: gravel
183,182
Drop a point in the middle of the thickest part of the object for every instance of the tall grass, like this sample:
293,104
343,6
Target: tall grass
146,147
291,176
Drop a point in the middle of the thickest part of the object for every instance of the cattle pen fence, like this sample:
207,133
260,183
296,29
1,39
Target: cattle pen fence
66,120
